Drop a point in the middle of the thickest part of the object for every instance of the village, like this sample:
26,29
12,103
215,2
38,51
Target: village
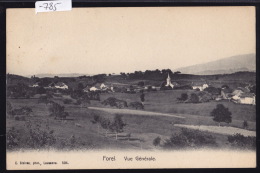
239,95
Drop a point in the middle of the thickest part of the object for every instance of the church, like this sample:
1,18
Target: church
168,84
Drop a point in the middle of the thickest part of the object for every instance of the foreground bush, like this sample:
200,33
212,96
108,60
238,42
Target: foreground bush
74,143
57,111
242,142
184,97
12,138
39,137
157,141
35,136
116,126
190,139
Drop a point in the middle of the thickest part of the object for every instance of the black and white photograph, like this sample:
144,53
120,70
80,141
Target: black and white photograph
131,87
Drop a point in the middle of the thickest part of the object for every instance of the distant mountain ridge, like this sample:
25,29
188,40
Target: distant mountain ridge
228,65
60,75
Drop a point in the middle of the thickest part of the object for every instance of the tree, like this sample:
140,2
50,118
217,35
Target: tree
105,124
58,111
96,120
131,88
118,125
253,89
142,98
245,124
80,86
157,141
194,98
221,114
184,97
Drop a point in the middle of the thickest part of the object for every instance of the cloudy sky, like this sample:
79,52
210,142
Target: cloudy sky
113,40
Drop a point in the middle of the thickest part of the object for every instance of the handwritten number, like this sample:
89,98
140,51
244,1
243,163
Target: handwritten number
50,6
55,6
46,7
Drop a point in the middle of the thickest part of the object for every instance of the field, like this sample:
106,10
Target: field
141,129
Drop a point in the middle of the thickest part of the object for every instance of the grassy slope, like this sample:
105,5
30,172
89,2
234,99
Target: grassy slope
140,127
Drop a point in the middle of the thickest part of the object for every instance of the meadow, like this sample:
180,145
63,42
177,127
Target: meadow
142,129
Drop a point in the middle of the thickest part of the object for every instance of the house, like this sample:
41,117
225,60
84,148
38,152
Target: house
247,98
93,89
244,98
237,92
245,90
35,85
226,93
103,87
201,87
86,89
61,85
112,88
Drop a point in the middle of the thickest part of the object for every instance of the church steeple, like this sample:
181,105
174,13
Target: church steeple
169,76
168,81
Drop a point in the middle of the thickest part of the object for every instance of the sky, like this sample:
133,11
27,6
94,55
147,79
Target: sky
128,39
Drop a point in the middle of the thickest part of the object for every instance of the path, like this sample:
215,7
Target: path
134,112
219,129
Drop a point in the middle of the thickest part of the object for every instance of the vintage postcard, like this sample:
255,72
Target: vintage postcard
131,87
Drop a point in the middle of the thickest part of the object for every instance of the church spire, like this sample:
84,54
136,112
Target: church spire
169,76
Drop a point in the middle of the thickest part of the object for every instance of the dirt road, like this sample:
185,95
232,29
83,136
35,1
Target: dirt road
135,112
220,130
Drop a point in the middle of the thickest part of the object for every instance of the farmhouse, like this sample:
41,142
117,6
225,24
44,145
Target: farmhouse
86,89
201,87
237,92
103,87
226,93
97,87
244,98
112,88
61,85
35,85
247,98
93,89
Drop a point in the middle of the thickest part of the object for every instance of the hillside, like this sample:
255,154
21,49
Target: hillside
228,65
